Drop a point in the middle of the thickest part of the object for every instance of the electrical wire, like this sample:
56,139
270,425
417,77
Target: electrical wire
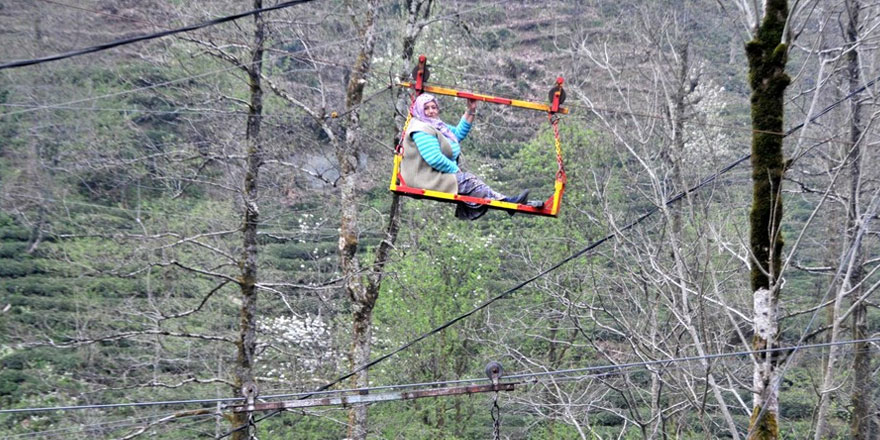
707,124
226,69
784,350
119,405
114,424
282,116
446,383
176,80
603,371
125,41
531,375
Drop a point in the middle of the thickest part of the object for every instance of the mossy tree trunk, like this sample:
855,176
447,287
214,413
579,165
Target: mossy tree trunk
767,54
361,292
247,341
861,399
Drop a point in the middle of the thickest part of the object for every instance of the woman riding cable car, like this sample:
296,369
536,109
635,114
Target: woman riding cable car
426,160
432,150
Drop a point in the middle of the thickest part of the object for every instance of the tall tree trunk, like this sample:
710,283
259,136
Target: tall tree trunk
347,154
244,373
364,292
767,54
414,27
861,420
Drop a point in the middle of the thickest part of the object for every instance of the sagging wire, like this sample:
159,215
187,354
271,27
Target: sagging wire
152,36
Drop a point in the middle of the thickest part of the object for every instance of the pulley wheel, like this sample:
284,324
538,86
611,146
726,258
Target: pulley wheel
494,371
553,92
425,74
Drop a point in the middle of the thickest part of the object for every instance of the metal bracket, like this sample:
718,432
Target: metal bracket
373,398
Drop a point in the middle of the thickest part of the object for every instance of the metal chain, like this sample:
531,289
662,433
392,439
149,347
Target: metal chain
398,149
252,427
496,418
554,122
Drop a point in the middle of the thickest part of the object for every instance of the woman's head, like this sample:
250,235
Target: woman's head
426,107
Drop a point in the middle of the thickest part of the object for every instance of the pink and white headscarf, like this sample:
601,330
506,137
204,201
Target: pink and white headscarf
418,110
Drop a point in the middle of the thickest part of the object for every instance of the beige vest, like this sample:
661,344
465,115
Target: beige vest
413,168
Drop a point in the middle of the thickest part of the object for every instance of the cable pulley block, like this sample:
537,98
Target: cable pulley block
556,96
494,371
420,73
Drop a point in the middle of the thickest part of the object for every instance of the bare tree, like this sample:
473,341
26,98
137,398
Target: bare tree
361,282
860,208
247,327
767,55
863,423
662,289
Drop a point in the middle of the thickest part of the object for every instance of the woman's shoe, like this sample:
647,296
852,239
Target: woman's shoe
519,198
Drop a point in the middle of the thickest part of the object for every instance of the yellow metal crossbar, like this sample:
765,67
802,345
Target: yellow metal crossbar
485,98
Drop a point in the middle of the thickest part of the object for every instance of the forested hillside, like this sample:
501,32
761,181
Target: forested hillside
189,218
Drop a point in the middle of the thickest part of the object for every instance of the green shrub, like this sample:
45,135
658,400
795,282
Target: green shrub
36,285
42,304
16,268
10,381
15,233
797,403
15,250
607,418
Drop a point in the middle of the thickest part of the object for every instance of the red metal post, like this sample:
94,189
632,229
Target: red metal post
420,73
554,106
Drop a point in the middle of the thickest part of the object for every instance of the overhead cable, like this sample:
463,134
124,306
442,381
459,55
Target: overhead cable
125,41
508,378
225,69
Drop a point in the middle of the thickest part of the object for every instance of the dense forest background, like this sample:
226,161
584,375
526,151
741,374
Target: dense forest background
184,216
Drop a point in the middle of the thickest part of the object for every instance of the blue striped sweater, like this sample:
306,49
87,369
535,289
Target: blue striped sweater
429,147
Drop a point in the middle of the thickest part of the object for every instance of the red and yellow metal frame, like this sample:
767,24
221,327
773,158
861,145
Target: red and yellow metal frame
550,208
485,98
551,205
